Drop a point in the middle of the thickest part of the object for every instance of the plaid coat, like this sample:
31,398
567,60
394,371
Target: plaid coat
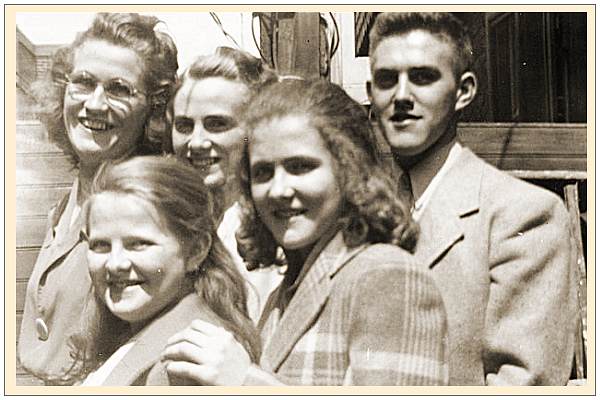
362,316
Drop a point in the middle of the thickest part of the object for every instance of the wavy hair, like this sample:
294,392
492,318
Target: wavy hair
372,211
158,53
228,63
179,195
443,24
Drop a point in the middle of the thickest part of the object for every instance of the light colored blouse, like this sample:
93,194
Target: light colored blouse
260,282
98,377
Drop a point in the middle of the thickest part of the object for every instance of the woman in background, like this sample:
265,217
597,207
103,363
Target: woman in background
156,264
106,100
207,133
354,307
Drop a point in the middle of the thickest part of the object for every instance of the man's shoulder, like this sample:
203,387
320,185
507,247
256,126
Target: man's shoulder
497,185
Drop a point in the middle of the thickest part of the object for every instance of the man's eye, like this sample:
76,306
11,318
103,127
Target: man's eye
261,173
423,76
385,78
99,246
218,123
184,125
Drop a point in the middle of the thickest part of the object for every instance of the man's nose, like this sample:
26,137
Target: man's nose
403,96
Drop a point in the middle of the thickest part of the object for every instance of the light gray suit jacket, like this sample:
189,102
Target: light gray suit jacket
500,253
141,365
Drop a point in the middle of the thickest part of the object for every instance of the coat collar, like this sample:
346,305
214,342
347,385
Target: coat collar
66,235
456,197
151,340
312,292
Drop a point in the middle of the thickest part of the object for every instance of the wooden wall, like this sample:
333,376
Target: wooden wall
44,175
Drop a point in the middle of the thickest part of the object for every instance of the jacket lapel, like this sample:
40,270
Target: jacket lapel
150,341
68,237
456,197
66,243
307,302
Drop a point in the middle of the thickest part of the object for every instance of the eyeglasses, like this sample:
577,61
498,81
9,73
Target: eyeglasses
81,85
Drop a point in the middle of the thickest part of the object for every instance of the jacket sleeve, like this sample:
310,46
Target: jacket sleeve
531,314
397,330
259,377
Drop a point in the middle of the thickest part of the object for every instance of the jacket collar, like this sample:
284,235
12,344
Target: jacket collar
329,256
151,340
65,235
457,196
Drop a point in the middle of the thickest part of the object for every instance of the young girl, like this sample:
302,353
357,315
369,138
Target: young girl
156,264
354,308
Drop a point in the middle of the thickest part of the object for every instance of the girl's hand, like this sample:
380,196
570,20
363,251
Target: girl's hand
206,354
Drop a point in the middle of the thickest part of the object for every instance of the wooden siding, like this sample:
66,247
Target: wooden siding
44,175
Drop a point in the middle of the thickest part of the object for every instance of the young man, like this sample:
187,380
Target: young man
498,247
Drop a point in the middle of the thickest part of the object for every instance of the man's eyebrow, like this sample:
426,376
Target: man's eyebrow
424,67
411,68
385,69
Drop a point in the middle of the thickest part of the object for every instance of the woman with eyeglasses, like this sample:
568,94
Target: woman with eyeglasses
208,134
106,100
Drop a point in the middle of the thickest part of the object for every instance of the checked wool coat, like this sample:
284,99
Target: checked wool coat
362,316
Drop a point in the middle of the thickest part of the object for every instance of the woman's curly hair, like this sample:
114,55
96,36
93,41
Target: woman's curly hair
133,31
372,212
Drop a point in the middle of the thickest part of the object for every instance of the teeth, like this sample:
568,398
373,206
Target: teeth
402,117
95,125
204,162
124,284
288,213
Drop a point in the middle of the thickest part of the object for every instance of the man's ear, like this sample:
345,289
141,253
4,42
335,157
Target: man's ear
467,89
198,252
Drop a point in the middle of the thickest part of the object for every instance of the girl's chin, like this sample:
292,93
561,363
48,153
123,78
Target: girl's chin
215,180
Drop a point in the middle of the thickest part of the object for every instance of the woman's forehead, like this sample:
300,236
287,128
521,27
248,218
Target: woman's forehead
107,61
213,93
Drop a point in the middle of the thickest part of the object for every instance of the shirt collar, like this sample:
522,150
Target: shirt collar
423,172
330,246
427,175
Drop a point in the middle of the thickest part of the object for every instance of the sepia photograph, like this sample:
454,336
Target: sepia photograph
301,197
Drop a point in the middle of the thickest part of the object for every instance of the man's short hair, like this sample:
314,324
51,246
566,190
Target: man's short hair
444,25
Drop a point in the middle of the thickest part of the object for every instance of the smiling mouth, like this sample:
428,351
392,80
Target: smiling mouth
122,285
288,213
95,124
204,162
403,117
